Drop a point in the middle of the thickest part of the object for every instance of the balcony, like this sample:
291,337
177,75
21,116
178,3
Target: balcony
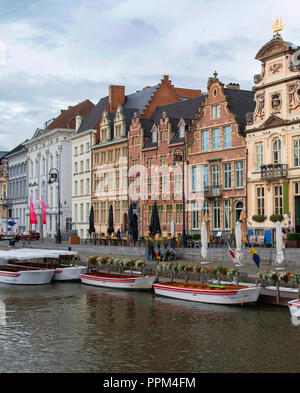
212,191
273,171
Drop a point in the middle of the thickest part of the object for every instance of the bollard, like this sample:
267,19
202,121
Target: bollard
277,292
237,277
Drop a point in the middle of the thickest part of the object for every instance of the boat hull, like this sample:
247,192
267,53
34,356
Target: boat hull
294,306
28,277
144,282
71,273
240,296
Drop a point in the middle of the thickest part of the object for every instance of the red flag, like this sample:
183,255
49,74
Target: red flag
33,219
233,256
44,211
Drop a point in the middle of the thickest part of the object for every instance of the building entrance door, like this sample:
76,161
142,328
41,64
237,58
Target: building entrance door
297,214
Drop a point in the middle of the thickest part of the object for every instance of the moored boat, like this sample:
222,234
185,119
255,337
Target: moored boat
294,306
215,294
50,259
114,280
25,275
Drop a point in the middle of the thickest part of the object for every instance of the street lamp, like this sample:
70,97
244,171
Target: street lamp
53,177
178,156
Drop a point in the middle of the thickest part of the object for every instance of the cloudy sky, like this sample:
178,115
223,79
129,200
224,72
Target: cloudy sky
57,53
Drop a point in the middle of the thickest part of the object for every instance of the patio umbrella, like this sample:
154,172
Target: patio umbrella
238,242
154,226
124,225
130,220
91,221
244,227
206,220
279,252
204,241
110,228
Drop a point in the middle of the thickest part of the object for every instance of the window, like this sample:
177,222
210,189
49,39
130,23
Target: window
195,223
238,209
260,199
215,175
215,111
178,184
164,184
227,214
205,140
169,214
216,139
75,188
154,136
179,214
227,137
103,213
194,179
163,160
239,174
259,155
205,208
278,200
117,212
134,140
160,209
163,135
277,151
149,185
205,177
216,214
150,208
117,180
227,176
297,152
181,132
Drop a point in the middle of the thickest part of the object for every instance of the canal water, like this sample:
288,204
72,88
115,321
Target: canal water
70,327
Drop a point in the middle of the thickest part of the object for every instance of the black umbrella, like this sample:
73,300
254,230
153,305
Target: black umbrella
91,221
110,228
130,220
154,226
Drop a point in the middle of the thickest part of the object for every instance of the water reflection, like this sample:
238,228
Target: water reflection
78,328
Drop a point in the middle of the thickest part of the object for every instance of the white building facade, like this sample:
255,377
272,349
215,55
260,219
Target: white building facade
81,179
49,149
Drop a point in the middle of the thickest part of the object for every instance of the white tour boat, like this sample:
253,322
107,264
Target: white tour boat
43,258
114,280
17,274
215,294
294,306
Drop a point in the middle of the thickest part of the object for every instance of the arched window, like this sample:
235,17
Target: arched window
238,209
277,151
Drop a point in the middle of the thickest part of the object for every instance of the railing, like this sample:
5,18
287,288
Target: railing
212,191
273,171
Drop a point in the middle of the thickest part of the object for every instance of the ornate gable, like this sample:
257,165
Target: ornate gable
275,47
273,121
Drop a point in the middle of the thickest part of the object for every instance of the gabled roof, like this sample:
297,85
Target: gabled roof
15,150
184,109
240,102
90,121
139,99
66,119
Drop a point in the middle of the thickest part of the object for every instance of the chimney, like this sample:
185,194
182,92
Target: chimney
78,121
233,86
116,97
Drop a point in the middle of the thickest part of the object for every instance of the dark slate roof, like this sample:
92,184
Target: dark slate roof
139,99
15,149
184,109
128,118
239,103
90,121
147,125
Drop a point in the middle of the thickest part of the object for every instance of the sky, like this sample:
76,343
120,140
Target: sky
58,53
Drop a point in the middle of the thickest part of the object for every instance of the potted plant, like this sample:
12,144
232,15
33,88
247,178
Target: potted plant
293,240
258,217
74,239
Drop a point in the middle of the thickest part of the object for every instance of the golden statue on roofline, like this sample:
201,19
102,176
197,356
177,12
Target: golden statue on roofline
277,25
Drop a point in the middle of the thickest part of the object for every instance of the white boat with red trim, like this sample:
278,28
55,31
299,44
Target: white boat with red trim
59,260
25,275
294,306
215,294
114,280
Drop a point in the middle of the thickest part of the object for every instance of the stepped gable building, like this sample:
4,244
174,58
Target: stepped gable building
51,148
273,140
3,185
217,157
110,150
152,145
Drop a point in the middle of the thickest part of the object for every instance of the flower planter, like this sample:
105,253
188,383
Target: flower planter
293,243
74,240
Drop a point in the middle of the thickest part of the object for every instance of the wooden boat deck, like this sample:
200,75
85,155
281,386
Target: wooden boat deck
212,287
111,275
16,268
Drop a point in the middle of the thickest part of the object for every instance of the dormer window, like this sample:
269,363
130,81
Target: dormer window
181,132
154,136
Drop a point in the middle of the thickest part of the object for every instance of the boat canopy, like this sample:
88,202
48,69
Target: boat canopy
36,253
